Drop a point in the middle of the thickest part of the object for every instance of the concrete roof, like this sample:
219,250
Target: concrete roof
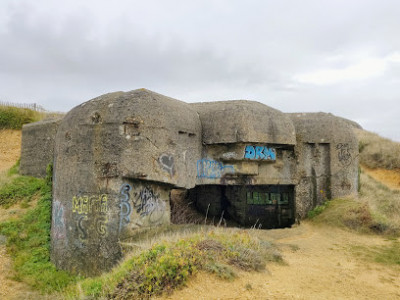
244,121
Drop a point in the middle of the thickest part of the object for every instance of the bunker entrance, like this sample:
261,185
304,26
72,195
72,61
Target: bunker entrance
262,206
270,206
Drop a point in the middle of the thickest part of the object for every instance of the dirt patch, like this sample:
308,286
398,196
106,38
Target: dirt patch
390,178
10,148
320,265
9,288
16,211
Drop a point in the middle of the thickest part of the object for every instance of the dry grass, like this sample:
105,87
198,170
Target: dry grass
378,152
391,178
217,250
383,202
376,210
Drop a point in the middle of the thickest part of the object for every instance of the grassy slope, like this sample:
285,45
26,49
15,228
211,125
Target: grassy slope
378,152
14,118
377,209
28,237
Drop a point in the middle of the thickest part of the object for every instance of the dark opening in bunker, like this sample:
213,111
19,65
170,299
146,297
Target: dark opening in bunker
262,206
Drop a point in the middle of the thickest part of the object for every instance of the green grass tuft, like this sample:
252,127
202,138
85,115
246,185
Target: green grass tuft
28,238
21,188
14,169
317,210
14,118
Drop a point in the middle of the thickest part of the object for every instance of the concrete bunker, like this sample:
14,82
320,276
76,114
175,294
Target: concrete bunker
247,171
121,158
116,159
37,150
327,152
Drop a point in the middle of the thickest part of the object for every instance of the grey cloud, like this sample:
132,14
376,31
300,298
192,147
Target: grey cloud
61,54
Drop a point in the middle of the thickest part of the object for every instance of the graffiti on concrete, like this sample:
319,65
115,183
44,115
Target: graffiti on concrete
91,211
213,169
101,225
88,204
59,230
167,163
125,205
81,227
344,154
259,152
148,204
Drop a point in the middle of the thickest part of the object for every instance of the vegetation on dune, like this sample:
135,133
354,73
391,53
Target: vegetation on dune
150,270
377,210
388,254
378,152
28,238
14,118
169,264
21,188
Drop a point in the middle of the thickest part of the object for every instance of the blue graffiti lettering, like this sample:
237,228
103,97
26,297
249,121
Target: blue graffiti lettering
249,152
124,205
270,153
259,152
212,169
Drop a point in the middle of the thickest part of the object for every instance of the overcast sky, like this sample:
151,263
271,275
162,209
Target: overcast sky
334,56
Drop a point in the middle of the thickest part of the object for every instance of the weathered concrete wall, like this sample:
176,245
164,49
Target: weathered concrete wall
246,163
327,151
244,121
246,142
37,149
118,156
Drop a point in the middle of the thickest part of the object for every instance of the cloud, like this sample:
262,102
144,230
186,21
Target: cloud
310,55
365,68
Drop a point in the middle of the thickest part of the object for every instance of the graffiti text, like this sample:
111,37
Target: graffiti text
344,154
88,204
259,152
149,204
125,205
212,169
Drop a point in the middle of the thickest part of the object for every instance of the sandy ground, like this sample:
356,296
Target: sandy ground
10,148
9,288
323,267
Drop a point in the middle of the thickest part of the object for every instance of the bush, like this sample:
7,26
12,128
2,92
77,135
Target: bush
14,118
167,265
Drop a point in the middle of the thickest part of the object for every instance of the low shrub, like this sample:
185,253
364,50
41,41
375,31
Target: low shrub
169,264
14,118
